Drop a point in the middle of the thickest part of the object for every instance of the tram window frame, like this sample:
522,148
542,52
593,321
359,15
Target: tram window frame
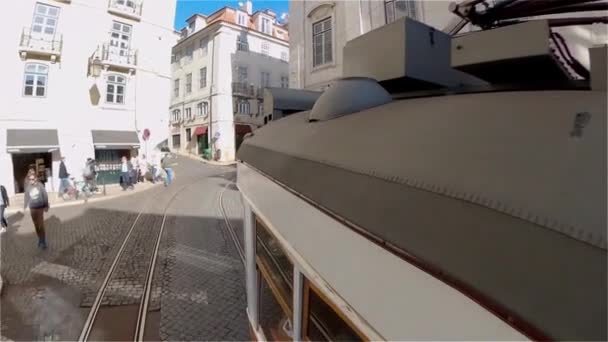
306,313
271,274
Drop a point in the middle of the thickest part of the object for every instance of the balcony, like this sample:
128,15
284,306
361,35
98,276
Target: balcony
117,59
126,8
40,45
243,89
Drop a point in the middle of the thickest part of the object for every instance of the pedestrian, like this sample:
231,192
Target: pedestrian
64,181
4,203
37,200
125,173
88,175
143,168
167,167
26,182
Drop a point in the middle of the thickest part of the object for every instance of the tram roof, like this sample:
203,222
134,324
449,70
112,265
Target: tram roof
477,188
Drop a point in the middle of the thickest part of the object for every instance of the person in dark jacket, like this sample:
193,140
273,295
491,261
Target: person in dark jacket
64,182
37,200
4,203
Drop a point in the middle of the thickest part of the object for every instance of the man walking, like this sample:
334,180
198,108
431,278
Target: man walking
4,203
64,182
126,169
37,200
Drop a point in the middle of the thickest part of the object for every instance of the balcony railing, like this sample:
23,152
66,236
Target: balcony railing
127,8
243,89
118,59
40,44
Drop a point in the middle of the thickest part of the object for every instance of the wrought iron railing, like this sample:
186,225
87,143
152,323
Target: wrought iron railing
243,89
130,7
118,56
52,43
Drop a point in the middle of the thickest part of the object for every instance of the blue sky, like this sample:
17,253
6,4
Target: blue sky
186,8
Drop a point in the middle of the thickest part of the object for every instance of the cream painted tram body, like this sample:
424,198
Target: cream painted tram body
473,215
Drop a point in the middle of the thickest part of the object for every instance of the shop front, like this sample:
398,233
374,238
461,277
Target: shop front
110,147
202,139
32,149
239,134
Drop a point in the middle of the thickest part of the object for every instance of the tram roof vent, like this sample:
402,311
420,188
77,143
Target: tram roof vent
349,95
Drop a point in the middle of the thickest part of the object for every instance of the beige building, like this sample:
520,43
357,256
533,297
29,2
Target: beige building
219,70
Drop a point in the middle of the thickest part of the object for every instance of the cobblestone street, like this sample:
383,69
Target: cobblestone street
198,289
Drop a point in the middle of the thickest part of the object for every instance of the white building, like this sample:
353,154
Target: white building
320,29
51,104
220,68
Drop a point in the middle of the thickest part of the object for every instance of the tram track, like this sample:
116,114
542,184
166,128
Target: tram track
138,330
143,222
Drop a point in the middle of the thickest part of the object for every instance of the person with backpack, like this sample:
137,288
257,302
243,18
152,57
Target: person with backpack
4,203
37,200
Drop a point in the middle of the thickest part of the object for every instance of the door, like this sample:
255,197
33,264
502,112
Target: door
201,141
22,162
120,43
44,26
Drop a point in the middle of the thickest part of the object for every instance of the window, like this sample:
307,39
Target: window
242,74
177,57
120,42
265,48
203,78
176,141
284,56
127,3
45,19
35,79
188,83
276,293
189,53
260,108
322,42
322,322
266,25
202,109
176,88
242,107
188,134
188,114
265,80
241,43
115,89
284,82
396,9
204,46
241,19
176,115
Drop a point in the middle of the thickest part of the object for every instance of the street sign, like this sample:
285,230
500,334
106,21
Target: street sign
146,134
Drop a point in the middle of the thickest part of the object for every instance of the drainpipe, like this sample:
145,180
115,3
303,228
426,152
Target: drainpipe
211,85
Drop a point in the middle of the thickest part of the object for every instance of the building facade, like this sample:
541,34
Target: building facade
320,29
220,68
82,79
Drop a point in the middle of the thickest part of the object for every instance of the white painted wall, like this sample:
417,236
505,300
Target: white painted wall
222,61
85,25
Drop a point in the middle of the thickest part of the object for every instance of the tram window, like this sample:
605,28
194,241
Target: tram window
273,319
276,262
323,323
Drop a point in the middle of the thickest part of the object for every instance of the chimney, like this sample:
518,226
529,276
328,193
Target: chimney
249,7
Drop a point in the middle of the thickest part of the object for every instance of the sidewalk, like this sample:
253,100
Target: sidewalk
112,191
210,162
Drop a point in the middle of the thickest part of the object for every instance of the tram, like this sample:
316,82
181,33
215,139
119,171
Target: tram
463,200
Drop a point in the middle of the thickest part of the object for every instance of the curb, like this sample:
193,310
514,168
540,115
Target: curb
210,162
91,200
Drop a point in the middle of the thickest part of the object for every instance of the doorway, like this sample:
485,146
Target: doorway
22,162
202,143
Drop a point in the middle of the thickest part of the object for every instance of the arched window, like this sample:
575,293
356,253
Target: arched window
35,79
115,89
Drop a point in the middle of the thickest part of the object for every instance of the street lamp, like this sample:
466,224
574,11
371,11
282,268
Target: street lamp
96,67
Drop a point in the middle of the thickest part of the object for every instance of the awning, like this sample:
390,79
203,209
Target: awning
200,130
115,140
242,129
31,140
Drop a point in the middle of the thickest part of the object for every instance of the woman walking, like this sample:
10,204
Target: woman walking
37,200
